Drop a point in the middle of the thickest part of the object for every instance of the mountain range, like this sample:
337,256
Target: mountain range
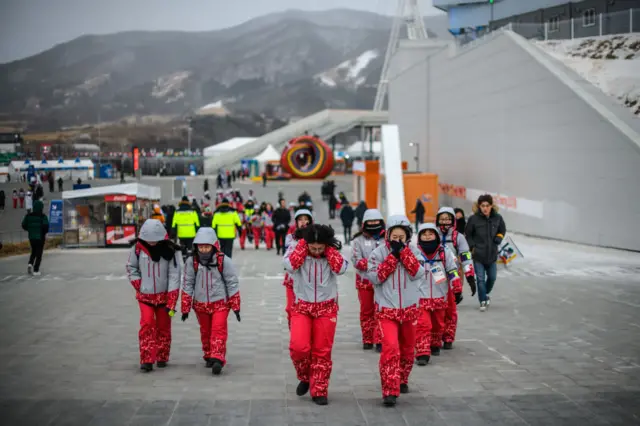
281,65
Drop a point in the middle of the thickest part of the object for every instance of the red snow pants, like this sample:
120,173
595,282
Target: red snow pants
269,237
313,327
398,337
15,203
396,360
257,232
243,237
213,334
429,330
154,334
290,295
368,323
450,319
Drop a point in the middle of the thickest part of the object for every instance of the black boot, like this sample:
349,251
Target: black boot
447,346
404,388
216,367
146,367
208,363
367,346
435,351
423,360
162,364
302,389
379,347
320,400
389,400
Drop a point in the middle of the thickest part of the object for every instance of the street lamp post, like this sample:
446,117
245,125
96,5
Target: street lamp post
417,157
189,130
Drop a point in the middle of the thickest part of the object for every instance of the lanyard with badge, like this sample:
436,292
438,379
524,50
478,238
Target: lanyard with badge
436,270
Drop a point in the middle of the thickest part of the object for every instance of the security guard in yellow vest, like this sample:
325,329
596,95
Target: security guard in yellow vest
225,222
187,222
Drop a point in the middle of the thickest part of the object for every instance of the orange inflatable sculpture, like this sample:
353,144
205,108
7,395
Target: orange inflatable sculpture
307,157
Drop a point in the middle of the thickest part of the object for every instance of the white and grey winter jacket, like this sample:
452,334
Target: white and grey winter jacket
396,281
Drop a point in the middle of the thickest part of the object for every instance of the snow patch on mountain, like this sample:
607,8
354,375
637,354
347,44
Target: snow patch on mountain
611,63
170,86
349,72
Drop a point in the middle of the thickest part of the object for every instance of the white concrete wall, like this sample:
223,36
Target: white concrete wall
494,119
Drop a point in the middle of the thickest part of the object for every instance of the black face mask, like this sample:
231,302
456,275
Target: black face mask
373,229
429,247
205,258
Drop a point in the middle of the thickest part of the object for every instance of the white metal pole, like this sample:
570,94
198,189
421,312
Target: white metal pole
546,31
99,144
600,18
572,30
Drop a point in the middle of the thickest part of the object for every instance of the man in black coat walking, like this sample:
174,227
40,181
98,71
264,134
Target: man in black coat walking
347,216
485,231
281,218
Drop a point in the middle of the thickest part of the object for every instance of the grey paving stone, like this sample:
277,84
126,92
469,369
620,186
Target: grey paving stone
530,359
146,420
189,420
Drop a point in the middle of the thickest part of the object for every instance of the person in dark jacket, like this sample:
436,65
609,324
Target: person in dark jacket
419,212
333,204
2,200
485,231
347,216
281,218
362,207
36,224
206,218
461,222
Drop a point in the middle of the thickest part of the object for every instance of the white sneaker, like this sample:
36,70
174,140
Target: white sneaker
483,306
30,269
36,274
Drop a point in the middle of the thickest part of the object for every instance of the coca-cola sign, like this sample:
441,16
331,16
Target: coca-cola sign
120,198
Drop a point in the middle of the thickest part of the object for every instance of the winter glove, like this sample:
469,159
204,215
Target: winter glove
472,284
396,248
497,240
458,298
237,315
185,316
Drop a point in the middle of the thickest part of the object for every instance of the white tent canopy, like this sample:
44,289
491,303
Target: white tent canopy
139,190
226,146
269,154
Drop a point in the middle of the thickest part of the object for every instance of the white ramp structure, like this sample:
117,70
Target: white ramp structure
393,200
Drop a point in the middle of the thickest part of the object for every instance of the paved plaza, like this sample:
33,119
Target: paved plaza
559,350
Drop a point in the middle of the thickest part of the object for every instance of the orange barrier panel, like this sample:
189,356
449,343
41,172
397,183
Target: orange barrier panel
423,186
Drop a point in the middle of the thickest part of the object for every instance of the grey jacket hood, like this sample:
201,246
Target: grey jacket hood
205,236
396,221
152,230
447,210
372,214
302,212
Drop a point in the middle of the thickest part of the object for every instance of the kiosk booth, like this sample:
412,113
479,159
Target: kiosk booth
107,216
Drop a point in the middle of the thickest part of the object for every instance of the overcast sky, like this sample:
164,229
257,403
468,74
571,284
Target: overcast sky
31,26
